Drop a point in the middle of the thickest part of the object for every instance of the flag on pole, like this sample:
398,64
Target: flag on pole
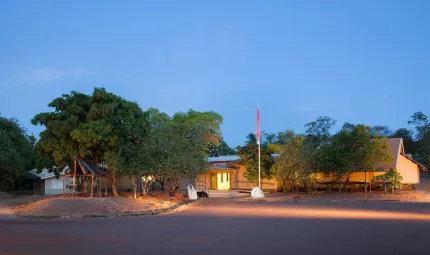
257,129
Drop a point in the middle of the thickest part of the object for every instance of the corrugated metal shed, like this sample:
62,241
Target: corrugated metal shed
45,174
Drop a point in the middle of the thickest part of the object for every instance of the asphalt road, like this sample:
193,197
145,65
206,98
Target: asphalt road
229,227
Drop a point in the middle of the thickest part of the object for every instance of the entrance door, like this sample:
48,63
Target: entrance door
214,181
223,181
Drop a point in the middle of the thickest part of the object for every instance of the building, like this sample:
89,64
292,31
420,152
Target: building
46,183
408,168
225,173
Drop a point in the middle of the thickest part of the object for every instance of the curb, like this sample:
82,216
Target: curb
111,215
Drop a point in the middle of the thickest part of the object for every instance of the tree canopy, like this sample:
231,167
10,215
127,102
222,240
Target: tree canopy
16,152
220,150
102,128
249,157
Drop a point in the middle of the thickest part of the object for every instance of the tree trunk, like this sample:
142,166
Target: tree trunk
173,186
133,181
143,185
104,181
365,183
315,182
99,187
370,183
74,177
114,189
392,189
332,182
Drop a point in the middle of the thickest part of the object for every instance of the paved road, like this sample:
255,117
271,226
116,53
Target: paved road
5,213
229,227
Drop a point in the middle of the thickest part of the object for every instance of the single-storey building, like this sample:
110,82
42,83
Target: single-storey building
225,173
46,183
408,168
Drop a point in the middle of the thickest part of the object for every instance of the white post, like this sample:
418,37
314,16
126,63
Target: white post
259,167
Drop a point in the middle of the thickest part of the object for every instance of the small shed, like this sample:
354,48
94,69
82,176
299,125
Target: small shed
47,183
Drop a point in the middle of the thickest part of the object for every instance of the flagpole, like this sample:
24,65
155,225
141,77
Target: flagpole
259,152
259,167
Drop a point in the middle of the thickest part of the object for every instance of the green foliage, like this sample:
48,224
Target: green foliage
380,131
16,152
21,141
318,135
391,177
290,165
57,147
219,150
249,158
12,163
421,123
207,124
101,128
422,137
319,131
177,145
353,149
408,141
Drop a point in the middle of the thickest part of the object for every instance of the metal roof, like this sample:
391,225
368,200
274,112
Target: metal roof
45,174
227,158
221,168
230,158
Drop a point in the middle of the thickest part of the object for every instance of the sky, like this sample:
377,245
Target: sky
354,61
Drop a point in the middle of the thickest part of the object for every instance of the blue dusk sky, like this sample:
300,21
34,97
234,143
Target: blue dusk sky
355,61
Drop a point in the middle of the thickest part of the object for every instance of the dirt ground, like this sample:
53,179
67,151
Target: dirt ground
67,205
407,195
374,196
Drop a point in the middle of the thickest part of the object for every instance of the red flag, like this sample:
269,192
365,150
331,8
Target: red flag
257,129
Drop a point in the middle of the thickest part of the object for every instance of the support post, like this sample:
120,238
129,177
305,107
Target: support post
92,185
104,181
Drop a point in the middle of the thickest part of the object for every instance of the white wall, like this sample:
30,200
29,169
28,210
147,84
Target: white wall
54,186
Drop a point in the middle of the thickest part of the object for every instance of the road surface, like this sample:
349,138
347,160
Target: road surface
225,226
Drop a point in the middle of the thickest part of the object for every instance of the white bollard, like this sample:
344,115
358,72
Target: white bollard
257,193
192,193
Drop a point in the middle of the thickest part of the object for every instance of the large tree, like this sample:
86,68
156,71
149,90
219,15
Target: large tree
380,131
319,131
16,152
353,149
249,158
290,166
56,147
11,162
422,135
102,128
21,140
177,146
218,150
408,139
318,134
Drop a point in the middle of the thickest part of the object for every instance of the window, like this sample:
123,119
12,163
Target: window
222,175
228,176
56,184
